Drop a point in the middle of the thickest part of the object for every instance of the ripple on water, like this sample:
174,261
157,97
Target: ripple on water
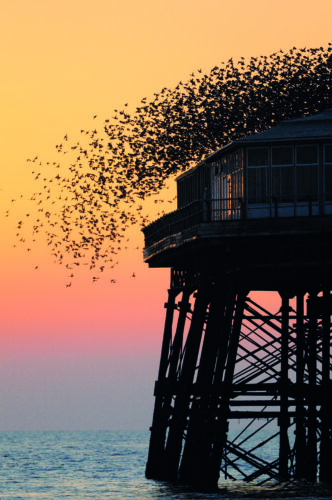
108,465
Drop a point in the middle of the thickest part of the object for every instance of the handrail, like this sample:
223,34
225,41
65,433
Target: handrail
231,209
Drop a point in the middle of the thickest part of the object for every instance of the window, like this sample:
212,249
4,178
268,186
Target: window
258,175
307,182
283,183
328,182
328,171
258,157
283,173
306,155
307,172
282,155
258,185
328,153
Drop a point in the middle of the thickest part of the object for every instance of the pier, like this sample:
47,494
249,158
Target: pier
253,219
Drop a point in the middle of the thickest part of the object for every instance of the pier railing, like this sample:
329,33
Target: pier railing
232,209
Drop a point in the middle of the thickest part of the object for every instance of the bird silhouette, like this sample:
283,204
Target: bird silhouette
88,199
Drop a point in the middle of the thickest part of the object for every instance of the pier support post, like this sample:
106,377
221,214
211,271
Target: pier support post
311,464
159,422
222,414
284,418
300,439
178,421
326,408
198,443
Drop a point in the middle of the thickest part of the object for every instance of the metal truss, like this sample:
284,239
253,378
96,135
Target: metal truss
242,391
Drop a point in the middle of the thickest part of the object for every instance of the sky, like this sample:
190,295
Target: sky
86,356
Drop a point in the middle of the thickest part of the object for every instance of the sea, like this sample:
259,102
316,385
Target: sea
100,465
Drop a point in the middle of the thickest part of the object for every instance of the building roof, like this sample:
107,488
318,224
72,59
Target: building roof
314,126
317,126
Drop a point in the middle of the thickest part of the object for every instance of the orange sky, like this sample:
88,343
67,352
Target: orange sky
61,63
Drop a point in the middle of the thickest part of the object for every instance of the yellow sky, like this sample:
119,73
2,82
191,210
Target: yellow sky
63,62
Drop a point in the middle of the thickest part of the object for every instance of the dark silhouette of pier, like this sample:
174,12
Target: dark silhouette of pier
256,216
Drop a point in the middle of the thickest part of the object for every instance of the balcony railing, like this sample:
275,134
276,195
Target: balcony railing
234,209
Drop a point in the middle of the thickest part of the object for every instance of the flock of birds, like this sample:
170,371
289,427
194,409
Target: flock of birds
88,199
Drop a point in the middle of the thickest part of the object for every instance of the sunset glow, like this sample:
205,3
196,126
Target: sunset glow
63,63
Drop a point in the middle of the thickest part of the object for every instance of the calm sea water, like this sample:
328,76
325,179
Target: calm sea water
103,465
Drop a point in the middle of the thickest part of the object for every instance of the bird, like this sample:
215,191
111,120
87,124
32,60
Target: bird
98,186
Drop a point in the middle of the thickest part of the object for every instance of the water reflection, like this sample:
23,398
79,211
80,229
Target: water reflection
239,489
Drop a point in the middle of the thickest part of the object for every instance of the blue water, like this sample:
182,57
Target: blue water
103,465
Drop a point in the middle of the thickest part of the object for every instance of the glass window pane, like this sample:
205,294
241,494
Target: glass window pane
283,183
328,182
282,155
287,182
328,153
276,182
307,182
306,155
258,157
258,185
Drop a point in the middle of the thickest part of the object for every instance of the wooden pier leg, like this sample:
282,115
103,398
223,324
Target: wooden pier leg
198,441
178,422
172,374
221,420
284,418
158,428
326,408
217,422
177,345
300,440
311,465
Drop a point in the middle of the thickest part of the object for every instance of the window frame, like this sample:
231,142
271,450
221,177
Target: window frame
306,146
305,197
327,195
